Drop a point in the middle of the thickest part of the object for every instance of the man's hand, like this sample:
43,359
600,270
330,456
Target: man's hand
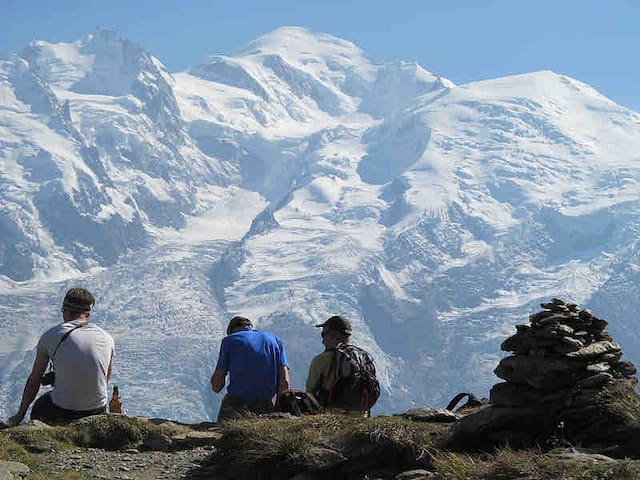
218,380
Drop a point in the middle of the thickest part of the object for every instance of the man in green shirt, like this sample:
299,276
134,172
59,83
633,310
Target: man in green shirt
322,371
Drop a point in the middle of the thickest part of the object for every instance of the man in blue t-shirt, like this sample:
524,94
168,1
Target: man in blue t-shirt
257,365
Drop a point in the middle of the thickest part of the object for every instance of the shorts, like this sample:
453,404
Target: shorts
45,410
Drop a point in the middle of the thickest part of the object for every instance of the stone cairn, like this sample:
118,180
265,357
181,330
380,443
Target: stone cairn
562,361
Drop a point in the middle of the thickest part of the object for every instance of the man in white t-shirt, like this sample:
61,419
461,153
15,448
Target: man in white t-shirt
82,357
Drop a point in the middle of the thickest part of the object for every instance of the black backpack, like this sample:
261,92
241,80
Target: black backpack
356,383
298,402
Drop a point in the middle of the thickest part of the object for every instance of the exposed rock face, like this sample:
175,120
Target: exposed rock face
562,366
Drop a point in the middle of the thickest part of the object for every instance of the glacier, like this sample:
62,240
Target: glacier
299,179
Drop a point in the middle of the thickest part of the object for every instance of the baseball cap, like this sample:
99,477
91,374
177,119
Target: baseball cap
337,323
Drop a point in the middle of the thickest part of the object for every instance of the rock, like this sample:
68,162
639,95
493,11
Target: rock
553,331
554,318
322,458
598,367
39,447
197,439
426,414
578,456
597,380
596,349
494,424
604,336
567,345
535,317
545,373
516,343
507,394
158,442
32,425
13,470
627,369
584,397
415,475
611,357
585,314
598,324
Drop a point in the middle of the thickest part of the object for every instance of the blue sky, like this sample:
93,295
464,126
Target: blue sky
594,41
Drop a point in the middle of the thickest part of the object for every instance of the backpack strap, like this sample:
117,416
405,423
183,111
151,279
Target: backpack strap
332,368
364,400
472,401
64,337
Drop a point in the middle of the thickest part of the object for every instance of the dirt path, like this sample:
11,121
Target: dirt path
128,465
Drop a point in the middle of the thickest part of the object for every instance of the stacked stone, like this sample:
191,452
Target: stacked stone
564,359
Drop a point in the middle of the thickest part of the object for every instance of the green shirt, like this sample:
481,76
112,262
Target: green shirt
321,375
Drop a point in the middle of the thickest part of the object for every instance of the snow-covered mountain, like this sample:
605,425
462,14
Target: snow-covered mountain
296,180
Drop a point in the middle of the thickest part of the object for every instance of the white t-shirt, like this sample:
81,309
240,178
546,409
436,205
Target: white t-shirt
81,364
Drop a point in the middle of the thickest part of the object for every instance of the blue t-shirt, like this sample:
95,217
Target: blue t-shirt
253,359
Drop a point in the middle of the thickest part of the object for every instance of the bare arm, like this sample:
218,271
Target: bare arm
285,381
110,370
32,386
218,379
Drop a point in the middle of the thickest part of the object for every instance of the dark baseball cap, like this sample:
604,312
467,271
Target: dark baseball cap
337,323
238,322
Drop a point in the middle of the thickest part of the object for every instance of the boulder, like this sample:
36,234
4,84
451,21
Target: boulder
494,424
13,470
158,442
544,373
507,394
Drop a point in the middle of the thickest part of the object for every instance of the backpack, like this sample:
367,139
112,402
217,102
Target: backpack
356,383
298,402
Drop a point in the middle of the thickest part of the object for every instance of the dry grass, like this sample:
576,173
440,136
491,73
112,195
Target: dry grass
623,401
109,432
295,441
507,464
398,442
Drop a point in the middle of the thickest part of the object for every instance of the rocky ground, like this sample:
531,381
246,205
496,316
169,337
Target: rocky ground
131,464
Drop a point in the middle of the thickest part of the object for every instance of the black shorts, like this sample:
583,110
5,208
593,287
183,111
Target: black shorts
45,410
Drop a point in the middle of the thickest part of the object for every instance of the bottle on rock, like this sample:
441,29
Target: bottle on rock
115,405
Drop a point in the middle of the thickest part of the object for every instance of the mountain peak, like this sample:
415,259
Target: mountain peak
301,40
302,46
